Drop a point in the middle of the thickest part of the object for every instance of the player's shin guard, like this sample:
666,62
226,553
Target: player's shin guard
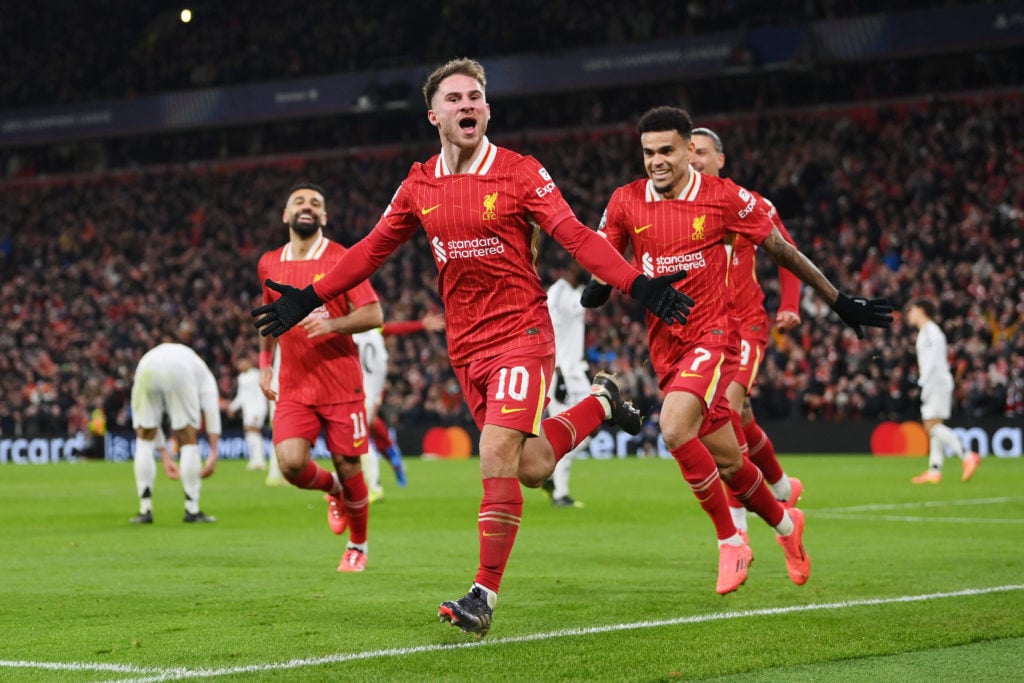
567,430
501,511
701,473
357,505
748,485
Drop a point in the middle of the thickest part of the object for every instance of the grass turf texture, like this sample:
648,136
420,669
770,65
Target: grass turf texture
621,590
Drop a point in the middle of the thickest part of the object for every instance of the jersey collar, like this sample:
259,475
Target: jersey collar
314,254
481,163
687,194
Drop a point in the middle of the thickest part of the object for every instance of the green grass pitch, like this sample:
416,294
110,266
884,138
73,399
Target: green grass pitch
908,583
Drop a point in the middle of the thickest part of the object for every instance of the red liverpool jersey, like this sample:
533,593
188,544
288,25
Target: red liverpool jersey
325,369
483,227
685,233
747,294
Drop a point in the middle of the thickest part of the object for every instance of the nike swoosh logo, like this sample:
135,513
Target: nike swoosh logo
488,534
685,374
427,210
505,410
642,228
360,442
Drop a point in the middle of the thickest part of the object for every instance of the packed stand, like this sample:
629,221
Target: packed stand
737,92
900,201
144,48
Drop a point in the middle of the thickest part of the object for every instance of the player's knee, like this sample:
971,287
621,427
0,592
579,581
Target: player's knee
727,468
676,435
533,474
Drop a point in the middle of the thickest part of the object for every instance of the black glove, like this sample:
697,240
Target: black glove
859,311
661,298
595,294
561,390
280,316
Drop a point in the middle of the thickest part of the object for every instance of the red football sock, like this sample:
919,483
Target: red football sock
734,502
566,430
762,452
379,434
701,473
357,503
313,477
748,485
737,428
501,510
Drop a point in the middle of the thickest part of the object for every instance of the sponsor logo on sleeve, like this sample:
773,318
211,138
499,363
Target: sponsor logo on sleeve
751,203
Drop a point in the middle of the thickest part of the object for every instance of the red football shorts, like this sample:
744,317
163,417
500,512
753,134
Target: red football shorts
705,370
509,390
343,424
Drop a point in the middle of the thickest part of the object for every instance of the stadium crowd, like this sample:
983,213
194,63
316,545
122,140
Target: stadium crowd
916,198
145,48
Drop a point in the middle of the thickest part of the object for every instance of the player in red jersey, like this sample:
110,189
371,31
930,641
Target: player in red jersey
320,380
482,208
707,156
677,219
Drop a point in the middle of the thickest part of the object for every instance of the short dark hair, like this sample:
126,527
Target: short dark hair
715,140
665,118
304,185
926,305
464,66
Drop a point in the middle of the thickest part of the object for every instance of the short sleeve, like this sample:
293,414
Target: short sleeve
541,197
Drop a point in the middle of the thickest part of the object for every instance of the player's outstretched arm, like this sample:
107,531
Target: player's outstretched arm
854,311
288,310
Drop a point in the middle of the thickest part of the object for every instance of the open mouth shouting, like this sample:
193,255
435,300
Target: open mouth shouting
468,124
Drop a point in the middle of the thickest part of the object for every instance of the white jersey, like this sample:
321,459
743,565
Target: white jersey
172,379
932,358
568,319
936,381
567,316
373,357
250,399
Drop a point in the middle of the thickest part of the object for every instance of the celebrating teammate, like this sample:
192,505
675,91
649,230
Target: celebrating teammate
320,382
678,219
707,156
481,206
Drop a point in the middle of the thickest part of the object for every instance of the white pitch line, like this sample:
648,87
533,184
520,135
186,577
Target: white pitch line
177,674
897,518
921,504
